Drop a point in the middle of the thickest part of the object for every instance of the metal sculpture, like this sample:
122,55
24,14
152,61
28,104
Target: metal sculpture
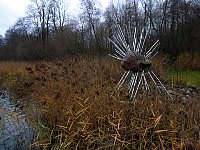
130,50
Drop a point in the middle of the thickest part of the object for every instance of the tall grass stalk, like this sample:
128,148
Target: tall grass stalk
76,110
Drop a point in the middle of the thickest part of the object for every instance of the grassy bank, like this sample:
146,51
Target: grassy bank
188,77
70,105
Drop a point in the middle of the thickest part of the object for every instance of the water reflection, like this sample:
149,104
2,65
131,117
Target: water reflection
15,133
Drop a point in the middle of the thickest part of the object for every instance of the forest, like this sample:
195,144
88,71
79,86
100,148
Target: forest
56,70
48,32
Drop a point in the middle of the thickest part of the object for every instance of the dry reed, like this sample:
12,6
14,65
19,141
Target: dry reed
72,98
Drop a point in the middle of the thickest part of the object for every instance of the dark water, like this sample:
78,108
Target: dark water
15,132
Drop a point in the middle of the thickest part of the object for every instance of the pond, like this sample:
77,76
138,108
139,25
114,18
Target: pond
15,132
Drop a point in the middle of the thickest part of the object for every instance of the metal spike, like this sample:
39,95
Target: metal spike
123,54
121,81
146,83
147,56
161,83
121,35
129,34
134,84
153,81
139,43
135,40
144,40
138,86
153,56
147,53
131,82
115,57
120,45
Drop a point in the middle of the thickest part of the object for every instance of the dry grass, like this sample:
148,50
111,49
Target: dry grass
74,110
189,61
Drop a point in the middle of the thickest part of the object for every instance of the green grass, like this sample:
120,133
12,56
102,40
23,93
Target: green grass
188,77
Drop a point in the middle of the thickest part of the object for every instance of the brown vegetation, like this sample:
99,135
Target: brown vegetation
188,60
70,102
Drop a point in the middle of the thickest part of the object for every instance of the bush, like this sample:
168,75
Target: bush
188,61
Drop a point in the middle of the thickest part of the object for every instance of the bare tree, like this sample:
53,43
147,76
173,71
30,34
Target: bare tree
91,20
48,32
39,14
1,41
58,14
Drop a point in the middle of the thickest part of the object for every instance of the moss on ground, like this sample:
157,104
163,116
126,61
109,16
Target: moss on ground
188,77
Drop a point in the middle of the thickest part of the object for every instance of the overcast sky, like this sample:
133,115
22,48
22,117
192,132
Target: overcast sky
11,10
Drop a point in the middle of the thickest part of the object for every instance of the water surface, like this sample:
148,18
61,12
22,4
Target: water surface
15,132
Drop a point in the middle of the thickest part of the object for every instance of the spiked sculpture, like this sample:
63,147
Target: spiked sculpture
130,50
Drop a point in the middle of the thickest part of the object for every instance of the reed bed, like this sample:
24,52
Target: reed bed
71,105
